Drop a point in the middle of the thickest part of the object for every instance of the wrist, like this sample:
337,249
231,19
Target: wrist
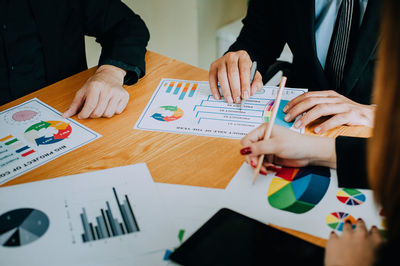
323,152
113,71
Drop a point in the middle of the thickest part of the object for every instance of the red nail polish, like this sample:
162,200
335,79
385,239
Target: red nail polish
374,227
263,173
245,151
253,164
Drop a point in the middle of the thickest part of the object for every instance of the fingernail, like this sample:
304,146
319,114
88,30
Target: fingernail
253,164
263,172
359,220
332,232
216,96
246,95
348,222
285,108
229,99
298,124
237,100
374,227
287,118
317,130
245,151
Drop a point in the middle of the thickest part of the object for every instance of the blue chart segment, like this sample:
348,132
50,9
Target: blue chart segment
106,225
22,226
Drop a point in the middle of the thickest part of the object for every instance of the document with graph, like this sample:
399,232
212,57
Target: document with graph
34,133
188,107
98,218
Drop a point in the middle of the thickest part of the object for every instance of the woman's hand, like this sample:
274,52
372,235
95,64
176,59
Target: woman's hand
287,148
353,247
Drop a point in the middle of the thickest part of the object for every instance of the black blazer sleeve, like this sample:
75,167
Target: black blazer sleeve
351,162
122,34
262,34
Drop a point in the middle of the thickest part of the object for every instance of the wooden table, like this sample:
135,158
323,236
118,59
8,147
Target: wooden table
197,160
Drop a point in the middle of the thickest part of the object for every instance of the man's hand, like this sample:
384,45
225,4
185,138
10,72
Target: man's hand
232,71
317,104
101,96
353,247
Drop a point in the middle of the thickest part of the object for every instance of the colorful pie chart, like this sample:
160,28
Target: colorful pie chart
48,132
336,220
298,190
167,113
350,196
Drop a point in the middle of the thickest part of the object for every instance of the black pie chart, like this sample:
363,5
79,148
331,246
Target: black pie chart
22,226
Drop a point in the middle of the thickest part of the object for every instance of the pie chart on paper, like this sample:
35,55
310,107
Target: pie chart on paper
167,113
336,220
20,227
298,190
351,197
48,132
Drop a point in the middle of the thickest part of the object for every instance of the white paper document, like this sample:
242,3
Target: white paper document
188,107
99,218
306,199
33,133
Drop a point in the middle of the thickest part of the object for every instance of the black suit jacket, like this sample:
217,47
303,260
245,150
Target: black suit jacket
62,25
270,24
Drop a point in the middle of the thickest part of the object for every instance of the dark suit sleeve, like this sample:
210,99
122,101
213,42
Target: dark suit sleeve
122,34
351,160
262,35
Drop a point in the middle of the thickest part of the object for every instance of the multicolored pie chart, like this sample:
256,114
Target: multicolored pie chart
298,190
48,132
336,220
167,113
351,196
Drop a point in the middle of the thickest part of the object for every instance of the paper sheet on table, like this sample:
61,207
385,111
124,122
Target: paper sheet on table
33,133
188,107
335,206
86,219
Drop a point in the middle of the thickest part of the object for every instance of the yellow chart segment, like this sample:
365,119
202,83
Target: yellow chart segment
330,219
276,184
58,124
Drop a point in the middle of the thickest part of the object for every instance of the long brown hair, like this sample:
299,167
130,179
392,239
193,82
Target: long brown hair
384,146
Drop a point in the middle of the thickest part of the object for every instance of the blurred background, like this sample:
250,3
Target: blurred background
193,31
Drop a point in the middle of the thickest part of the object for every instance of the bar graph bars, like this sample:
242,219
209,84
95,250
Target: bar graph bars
106,225
188,90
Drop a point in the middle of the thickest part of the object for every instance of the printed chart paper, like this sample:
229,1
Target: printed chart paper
32,134
105,217
188,107
306,199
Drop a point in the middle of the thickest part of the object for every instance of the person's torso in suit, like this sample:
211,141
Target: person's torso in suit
272,23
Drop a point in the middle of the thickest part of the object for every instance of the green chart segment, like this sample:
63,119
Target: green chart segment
298,190
20,227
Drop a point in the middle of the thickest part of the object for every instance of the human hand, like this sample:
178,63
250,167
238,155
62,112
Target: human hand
287,148
353,247
101,96
316,104
232,71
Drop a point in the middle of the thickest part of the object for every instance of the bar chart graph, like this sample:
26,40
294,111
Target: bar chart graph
106,225
182,89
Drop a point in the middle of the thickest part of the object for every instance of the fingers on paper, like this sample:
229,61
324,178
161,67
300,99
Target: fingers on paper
76,104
